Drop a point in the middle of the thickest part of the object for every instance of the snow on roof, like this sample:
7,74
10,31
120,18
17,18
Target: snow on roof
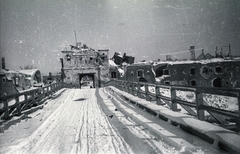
28,72
111,63
9,74
2,71
214,60
121,70
140,63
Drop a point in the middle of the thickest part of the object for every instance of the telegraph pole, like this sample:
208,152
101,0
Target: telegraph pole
75,36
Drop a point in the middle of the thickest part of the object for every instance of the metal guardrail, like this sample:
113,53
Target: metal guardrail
221,104
12,105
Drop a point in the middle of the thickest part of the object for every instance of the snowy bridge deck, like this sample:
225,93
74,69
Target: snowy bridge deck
93,121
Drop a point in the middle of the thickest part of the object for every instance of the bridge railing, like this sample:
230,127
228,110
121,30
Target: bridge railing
211,104
12,105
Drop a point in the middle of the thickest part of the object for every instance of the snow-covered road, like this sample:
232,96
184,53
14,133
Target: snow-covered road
83,121
75,123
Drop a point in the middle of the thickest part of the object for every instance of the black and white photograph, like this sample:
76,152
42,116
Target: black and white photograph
120,76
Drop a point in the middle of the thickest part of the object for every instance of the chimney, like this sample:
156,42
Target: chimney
3,63
216,52
61,59
230,54
50,76
192,51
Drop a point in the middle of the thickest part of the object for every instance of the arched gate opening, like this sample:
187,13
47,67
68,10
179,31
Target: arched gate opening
91,75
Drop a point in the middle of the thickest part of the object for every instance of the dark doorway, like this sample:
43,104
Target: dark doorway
84,75
193,82
217,82
159,71
113,75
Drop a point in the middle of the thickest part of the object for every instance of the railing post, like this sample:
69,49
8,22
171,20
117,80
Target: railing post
132,89
51,89
146,92
48,91
157,92
33,98
25,98
173,98
126,86
199,103
129,87
6,113
54,87
18,105
238,119
114,83
122,85
138,90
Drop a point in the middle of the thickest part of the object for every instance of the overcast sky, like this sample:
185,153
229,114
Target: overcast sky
35,31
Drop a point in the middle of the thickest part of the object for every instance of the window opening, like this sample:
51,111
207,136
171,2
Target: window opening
218,69
167,82
205,70
148,73
4,79
114,75
68,57
192,71
193,82
227,83
140,73
217,82
165,72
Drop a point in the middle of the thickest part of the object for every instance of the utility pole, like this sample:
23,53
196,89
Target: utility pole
75,36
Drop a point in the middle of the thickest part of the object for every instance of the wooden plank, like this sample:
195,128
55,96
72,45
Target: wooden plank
6,113
189,110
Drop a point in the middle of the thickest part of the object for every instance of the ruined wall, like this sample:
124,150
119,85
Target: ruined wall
215,74
6,86
84,60
136,72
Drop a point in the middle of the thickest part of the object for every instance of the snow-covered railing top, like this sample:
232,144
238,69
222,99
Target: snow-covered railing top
15,104
211,104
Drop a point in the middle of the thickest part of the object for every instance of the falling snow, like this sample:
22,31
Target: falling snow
144,29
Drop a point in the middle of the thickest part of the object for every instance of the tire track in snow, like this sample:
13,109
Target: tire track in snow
76,126
77,141
55,121
97,133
